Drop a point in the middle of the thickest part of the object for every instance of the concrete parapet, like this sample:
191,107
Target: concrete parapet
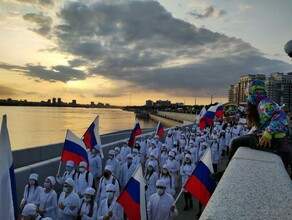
255,185
165,121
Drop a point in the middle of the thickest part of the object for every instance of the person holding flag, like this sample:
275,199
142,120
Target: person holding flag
95,162
161,204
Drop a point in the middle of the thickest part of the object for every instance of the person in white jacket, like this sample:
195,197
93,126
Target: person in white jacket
95,162
173,167
150,178
109,208
69,202
114,163
70,172
48,199
160,205
83,179
32,191
88,207
127,170
186,171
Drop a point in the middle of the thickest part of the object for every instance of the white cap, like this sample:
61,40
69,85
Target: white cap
47,218
187,148
90,191
160,183
112,152
52,179
171,153
117,149
135,150
70,181
29,209
70,163
165,166
188,156
110,187
129,156
34,176
109,168
97,147
83,164
151,164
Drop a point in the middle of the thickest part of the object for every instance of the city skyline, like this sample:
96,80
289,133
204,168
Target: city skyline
126,52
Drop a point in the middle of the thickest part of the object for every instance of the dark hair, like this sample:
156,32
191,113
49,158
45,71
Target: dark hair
91,205
253,115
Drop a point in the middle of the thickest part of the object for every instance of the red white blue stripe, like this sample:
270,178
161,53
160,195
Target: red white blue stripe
74,149
135,132
132,198
91,136
208,118
8,195
200,185
159,130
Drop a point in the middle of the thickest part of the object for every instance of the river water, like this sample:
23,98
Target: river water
37,126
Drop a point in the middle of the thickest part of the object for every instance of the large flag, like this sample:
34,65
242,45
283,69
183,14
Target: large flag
208,117
135,132
132,198
74,149
199,184
91,136
159,130
8,198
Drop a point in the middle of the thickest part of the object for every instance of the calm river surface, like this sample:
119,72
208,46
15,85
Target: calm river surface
37,126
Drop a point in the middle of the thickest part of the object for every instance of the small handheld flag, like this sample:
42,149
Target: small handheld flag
200,185
159,130
74,149
135,132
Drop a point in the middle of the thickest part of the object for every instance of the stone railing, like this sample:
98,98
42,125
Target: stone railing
255,185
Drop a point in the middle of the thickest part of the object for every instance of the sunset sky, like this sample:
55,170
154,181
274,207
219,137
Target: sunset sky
125,52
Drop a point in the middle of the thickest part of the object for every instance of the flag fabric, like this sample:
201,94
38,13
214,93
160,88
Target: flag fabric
159,130
132,198
200,115
219,111
135,132
91,136
199,184
74,149
8,195
208,117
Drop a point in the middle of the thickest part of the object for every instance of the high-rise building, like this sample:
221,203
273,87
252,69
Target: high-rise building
149,103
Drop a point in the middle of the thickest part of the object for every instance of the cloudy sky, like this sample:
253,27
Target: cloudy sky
124,52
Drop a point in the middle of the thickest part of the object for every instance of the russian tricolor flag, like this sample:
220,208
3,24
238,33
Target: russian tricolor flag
136,131
91,136
74,149
132,198
159,130
200,184
208,117
8,196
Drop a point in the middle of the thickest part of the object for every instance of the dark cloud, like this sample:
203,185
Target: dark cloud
210,11
141,43
8,91
56,73
42,21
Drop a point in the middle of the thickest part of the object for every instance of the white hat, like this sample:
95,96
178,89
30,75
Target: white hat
47,218
110,187
165,166
109,168
156,137
52,179
187,148
70,163
129,156
151,164
135,150
169,132
111,152
90,191
171,153
188,156
83,164
70,181
34,176
160,183
97,147
117,149
29,209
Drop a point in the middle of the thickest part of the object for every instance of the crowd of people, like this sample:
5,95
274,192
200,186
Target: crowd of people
167,165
